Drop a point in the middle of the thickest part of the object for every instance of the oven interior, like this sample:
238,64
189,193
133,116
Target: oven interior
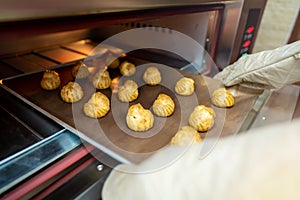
39,52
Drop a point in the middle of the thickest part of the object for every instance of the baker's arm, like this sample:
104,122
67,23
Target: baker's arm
261,164
270,69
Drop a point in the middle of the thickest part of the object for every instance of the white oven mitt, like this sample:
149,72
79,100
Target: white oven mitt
261,164
271,69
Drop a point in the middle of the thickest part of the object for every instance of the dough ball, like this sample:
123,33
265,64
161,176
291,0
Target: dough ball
202,118
222,98
127,68
152,76
102,80
186,136
97,106
71,92
138,118
80,70
185,86
128,92
50,80
163,106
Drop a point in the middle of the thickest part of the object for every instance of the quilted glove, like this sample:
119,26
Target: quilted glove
270,69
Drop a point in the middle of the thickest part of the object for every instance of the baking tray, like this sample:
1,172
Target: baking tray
14,135
110,133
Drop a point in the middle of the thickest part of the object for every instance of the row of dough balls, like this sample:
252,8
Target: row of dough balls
69,93
201,119
151,76
184,86
51,79
221,97
102,79
126,68
140,119
97,106
128,92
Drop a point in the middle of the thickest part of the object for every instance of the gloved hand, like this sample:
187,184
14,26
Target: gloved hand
262,164
271,69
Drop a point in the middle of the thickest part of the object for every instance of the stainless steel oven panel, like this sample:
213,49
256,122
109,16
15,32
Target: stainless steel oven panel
210,22
14,10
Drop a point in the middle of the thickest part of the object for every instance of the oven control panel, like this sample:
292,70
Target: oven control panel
249,32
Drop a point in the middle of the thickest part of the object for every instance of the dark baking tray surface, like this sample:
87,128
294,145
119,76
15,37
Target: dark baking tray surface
110,133
14,135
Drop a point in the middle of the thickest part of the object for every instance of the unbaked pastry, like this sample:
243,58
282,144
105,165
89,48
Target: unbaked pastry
152,76
102,80
202,118
163,106
138,118
127,68
80,70
184,86
97,106
128,92
71,92
186,136
50,80
222,98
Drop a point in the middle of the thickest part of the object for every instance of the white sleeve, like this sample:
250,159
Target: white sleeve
260,164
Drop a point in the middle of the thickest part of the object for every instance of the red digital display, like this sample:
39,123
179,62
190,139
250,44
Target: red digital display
250,29
246,43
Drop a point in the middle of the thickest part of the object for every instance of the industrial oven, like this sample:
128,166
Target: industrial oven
41,154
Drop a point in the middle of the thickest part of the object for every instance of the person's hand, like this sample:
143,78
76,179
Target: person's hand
271,69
